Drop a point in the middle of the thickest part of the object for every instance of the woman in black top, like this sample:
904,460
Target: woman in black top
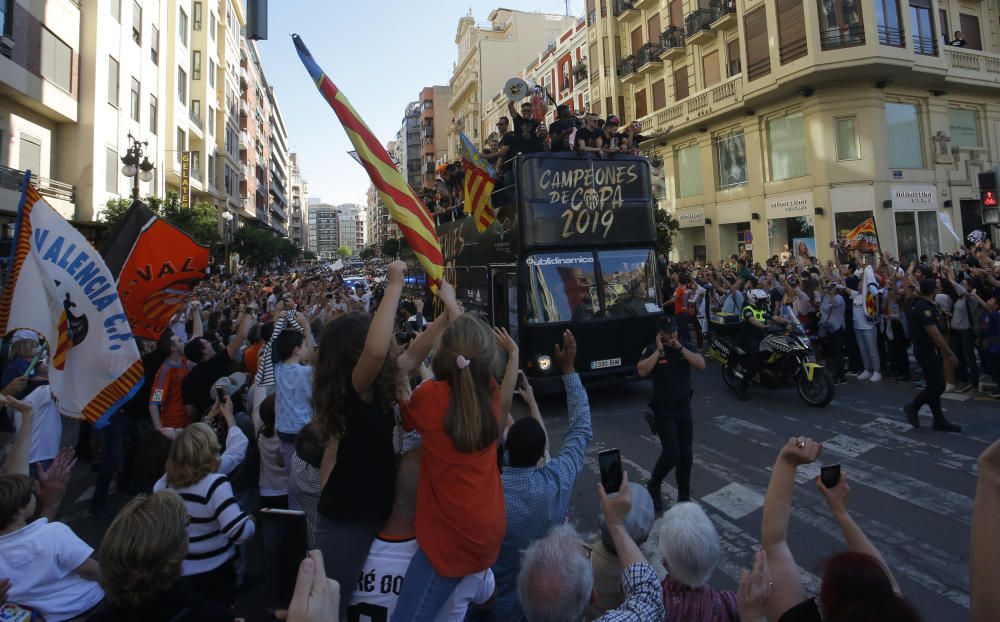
355,387
588,138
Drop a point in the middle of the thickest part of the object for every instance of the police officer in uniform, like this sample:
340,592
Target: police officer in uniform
929,346
752,331
669,362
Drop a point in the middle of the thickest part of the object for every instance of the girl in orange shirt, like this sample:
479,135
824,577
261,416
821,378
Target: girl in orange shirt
460,508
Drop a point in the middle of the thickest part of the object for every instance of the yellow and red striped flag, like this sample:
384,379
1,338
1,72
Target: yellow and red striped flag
479,182
406,209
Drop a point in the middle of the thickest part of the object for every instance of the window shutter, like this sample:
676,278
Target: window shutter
681,89
758,54
636,40
653,29
710,68
970,30
676,14
791,30
659,94
733,58
640,104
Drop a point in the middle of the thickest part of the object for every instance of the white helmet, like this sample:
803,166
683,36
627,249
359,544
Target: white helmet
758,297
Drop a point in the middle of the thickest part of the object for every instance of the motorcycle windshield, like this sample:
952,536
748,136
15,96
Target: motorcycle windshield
792,319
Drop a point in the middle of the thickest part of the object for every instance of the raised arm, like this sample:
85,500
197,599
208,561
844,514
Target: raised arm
379,332
646,366
422,344
197,330
243,327
17,459
788,590
509,346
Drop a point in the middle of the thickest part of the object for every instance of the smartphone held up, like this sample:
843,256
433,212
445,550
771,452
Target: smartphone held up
610,462
829,475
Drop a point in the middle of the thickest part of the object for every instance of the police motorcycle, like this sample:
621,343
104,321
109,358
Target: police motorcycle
787,359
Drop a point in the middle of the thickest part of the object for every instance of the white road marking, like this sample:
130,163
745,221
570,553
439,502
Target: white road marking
735,501
848,446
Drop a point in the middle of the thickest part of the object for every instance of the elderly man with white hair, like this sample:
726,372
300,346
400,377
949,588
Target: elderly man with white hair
557,581
689,545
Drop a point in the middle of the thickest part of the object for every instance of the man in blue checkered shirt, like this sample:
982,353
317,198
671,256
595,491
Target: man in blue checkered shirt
537,498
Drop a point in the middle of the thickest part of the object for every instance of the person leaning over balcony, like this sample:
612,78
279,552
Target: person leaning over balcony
959,40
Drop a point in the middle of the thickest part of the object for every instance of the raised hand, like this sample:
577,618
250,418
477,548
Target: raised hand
755,588
836,497
801,450
395,272
566,355
505,341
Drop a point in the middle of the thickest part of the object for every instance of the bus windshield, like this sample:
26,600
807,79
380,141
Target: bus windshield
566,287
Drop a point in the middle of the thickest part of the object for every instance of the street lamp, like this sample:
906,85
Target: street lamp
227,219
136,164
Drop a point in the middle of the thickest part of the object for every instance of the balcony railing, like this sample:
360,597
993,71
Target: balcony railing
888,35
592,18
972,65
627,67
244,140
691,109
671,39
649,53
925,45
696,21
623,6
196,119
11,178
846,35
196,171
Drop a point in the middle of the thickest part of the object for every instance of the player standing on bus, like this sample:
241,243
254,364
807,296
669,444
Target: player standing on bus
669,362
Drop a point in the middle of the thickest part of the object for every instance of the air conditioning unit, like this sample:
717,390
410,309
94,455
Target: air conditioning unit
6,46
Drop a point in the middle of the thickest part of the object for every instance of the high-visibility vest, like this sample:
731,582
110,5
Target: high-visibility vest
758,314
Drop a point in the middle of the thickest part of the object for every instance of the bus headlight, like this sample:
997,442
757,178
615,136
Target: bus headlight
545,362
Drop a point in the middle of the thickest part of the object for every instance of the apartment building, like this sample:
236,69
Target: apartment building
233,78
351,227
489,54
434,121
324,229
298,230
789,122
278,166
560,68
411,161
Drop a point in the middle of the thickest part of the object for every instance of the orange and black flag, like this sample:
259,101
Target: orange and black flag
863,238
406,209
156,266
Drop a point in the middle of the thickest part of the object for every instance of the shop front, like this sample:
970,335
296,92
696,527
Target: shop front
690,240
852,205
734,230
915,220
790,225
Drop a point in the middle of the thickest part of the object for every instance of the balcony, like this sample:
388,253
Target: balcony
646,4
627,67
62,195
592,18
847,35
278,211
244,140
624,8
244,108
725,14
698,26
243,77
196,120
888,35
647,56
427,132
196,171
430,168
718,99
971,66
671,43
925,45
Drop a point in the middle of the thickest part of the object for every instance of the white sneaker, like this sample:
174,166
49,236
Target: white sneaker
876,377
949,388
865,375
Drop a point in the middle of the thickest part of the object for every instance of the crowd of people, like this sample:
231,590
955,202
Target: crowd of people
388,435
866,315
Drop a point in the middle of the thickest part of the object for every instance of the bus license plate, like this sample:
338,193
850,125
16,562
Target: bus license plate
605,363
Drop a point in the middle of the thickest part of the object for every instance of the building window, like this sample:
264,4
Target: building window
181,145
847,138
196,16
112,81
134,100
688,171
111,171
970,30
905,143
212,25
791,30
786,144
137,23
154,45
30,154
153,114
211,73
182,27
196,110
6,17
182,85
211,171
681,87
710,68
659,95
116,10
890,26
640,104
211,121
922,24
963,127
731,161
732,58
57,61
196,65
758,52
840,24
916,234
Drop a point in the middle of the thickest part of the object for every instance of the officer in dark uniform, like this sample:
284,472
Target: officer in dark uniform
669,363
755,320
929,347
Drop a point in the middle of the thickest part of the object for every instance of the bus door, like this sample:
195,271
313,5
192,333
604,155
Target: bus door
503,298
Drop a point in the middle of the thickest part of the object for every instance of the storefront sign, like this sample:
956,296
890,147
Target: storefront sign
185,180
691,218
789,205
731,212
914,197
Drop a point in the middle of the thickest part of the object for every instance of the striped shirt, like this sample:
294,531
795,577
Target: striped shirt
217,522
265,366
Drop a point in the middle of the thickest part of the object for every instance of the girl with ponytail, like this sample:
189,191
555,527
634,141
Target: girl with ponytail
460,520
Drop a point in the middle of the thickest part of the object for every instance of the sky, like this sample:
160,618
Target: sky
379,53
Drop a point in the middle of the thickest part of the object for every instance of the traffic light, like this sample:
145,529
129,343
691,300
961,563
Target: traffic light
988,189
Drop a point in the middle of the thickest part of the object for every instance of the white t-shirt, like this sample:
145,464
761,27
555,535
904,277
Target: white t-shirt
272,302
46,425
179,326
381,581
860,315
40,559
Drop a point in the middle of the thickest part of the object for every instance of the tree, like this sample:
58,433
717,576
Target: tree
258,247
390,248
200,221
666,228
366,253
345,251
308,255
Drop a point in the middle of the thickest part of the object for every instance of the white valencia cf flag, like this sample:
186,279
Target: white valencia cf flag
58,285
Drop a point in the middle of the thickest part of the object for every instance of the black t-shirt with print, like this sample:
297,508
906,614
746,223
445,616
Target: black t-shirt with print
524,133
556,128
588,136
